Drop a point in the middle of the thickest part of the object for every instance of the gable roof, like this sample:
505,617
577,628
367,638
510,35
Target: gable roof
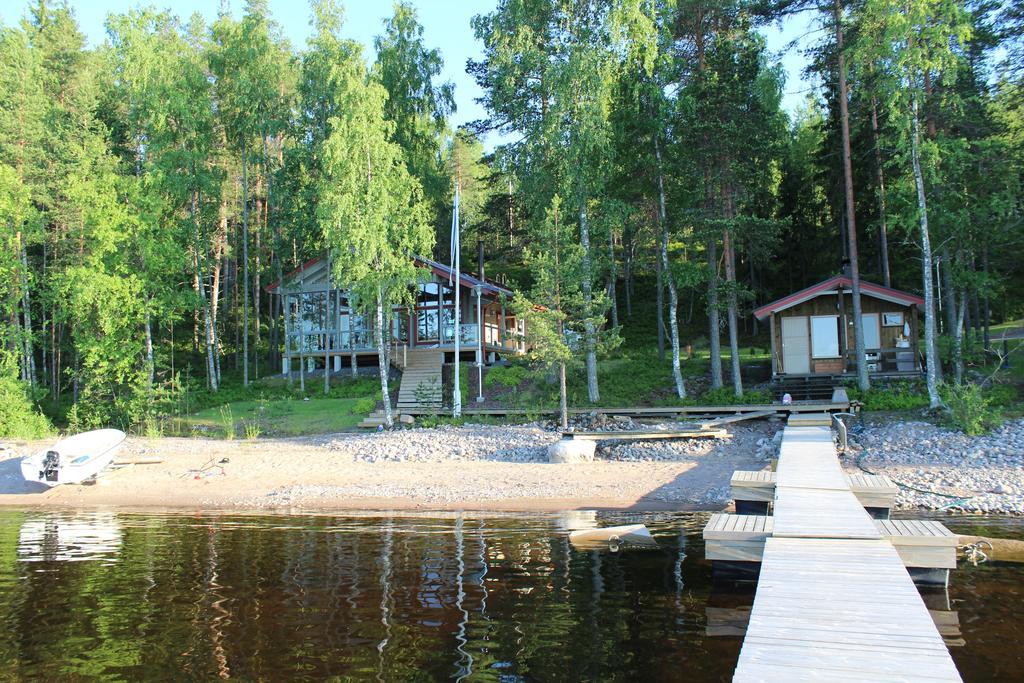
831,286
438,269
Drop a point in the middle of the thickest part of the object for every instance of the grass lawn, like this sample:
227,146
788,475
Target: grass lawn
1008,325
281,417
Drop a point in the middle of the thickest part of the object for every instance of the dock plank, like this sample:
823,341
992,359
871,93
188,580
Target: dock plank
834,600
821,513
829,609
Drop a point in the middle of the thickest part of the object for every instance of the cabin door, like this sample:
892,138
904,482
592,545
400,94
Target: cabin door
796,351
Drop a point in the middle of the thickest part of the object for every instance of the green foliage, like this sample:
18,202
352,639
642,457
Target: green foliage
19,418
227,422
280,416
725,396
506,376
969,409
364,405
1002,395
906,395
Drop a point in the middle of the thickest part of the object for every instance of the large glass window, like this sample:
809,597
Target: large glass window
435,314
427,326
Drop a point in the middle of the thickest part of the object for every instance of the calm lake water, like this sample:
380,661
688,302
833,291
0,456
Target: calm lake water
399,598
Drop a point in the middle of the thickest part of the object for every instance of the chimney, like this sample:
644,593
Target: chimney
845,268
480,259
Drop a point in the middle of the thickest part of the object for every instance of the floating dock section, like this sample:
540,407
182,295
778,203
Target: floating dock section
835,600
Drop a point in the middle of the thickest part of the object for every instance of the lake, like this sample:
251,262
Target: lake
407,597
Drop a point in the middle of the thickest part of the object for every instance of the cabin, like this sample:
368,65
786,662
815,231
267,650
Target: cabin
812,330
320,323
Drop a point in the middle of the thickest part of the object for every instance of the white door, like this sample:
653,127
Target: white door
796,351
872,333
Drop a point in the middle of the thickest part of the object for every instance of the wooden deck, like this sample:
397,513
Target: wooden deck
678,411
839,610
640,435
871,490
834,601
741,538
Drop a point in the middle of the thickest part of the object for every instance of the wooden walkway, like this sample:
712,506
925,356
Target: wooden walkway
834,601
671,411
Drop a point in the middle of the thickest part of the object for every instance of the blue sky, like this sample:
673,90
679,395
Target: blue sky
445,25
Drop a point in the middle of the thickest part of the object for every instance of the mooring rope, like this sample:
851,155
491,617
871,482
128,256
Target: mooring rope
956,499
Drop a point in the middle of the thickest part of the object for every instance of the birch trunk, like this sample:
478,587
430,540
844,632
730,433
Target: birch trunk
958,339
593,394
883,227
30,356
212,379
714,340
926,260
732,310
660,303
612,275
948,291
245,266
985,304
382,360
330,321
673,294
150,365
563,401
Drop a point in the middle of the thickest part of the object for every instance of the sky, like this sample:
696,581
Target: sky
446,26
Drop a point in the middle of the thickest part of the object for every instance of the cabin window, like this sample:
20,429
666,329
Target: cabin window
892,319
872,334
824,336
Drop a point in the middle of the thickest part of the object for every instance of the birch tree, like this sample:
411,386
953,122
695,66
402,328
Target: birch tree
912,38
371,212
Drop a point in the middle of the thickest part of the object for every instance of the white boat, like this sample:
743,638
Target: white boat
74,459
630,534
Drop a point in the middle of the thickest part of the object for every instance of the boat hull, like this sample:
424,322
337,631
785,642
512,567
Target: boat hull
75,459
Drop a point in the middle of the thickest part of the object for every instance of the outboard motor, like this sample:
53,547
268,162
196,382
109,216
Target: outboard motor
51,466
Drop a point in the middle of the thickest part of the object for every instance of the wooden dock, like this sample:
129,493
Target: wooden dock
797,407
834,599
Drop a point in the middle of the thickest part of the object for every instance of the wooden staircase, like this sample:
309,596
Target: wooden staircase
421,387
376,419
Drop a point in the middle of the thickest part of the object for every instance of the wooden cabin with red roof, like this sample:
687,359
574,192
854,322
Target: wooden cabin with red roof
812,330
320,323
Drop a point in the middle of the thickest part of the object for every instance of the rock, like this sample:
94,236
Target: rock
572,451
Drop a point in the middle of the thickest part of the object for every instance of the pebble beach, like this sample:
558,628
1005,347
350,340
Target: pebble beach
941,469
490,467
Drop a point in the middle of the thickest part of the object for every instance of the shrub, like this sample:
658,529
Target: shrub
893,396
227,422
725,396
19,418
507,376
1001,395
364,405
970,410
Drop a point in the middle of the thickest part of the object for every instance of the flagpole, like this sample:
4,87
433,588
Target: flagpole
456,390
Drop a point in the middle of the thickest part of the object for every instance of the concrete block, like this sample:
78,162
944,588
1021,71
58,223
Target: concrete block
572,451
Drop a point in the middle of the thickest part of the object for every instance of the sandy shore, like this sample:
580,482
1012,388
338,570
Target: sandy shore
484,468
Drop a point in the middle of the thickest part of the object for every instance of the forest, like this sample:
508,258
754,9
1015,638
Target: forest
647,191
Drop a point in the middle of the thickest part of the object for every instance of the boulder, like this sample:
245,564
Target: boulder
572,450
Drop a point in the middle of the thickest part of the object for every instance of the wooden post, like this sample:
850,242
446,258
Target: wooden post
287,358
771,345
501,327
843,346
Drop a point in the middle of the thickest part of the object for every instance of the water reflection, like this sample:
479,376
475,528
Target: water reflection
69,538
452,596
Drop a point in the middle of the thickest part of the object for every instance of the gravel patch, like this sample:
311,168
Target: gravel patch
469,442
941,469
